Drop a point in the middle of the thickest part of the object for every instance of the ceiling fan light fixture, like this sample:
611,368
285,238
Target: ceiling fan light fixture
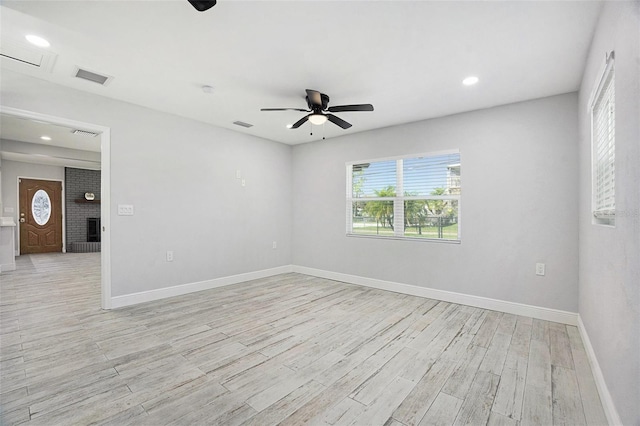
318,119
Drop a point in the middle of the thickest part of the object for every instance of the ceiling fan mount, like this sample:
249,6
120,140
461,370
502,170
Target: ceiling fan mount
318,104
324,102
202,5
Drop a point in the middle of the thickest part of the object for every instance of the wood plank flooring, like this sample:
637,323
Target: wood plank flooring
289,349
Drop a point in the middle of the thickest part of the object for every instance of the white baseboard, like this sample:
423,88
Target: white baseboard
613,418
11,266
178,290
547,314
554,315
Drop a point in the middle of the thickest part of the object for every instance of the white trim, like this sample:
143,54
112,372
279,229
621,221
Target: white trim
105,203
602,73
105,217
404,157
393,237
547,314
178,290
11,266
613,418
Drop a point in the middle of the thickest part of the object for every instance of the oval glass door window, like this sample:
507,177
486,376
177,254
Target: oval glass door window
41,207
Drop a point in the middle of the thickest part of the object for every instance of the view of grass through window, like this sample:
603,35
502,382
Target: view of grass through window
425,207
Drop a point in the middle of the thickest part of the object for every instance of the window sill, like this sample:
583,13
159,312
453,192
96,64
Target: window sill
385,237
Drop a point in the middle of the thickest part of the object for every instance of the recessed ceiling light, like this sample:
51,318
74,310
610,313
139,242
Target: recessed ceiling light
470,81
45,138
36,40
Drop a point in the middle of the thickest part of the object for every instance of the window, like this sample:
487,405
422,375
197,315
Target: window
603,120
413,197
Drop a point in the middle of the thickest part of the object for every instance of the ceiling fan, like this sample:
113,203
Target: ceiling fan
318,104
202,5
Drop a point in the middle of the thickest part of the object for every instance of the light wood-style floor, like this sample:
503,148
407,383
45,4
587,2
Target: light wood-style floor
290,349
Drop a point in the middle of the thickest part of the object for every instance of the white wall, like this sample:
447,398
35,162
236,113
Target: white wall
518,207
11,170
180,175
609,286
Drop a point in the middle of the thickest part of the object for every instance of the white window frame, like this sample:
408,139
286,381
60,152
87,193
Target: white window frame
399,199
603,145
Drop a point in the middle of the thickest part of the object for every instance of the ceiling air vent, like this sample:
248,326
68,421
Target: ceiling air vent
93,76
242,123
20,56
84,133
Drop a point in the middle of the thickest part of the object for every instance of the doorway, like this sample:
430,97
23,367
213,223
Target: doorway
40,216
105,176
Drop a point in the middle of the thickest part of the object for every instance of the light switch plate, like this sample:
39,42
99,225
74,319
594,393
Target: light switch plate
125,210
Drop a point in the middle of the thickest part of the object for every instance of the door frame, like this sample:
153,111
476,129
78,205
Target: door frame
105,190
64,213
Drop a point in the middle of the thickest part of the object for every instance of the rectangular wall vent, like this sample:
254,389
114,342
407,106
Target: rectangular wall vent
84,133
243,124
93,76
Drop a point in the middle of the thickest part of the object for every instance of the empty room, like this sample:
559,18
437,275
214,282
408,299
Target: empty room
319,212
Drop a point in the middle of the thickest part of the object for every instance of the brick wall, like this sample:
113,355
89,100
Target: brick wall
77,182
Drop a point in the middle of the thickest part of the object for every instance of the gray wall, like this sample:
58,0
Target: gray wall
180,176
520,166
77,183
609,288
11,170
518,206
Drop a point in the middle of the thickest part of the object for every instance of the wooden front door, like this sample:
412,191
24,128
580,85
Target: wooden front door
40,216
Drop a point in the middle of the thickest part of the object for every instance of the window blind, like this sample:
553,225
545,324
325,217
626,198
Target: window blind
424,175
413,197
603,141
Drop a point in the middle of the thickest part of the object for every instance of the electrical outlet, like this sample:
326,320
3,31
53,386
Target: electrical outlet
275,245
125,210
540,268
169,256
244,182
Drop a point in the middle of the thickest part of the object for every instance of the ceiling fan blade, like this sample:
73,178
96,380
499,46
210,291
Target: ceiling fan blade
338,121
344,108
300,122
284,109
315,97
202,5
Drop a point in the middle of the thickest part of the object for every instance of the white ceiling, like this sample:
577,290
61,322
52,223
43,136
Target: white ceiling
31,131
407,58
22,141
